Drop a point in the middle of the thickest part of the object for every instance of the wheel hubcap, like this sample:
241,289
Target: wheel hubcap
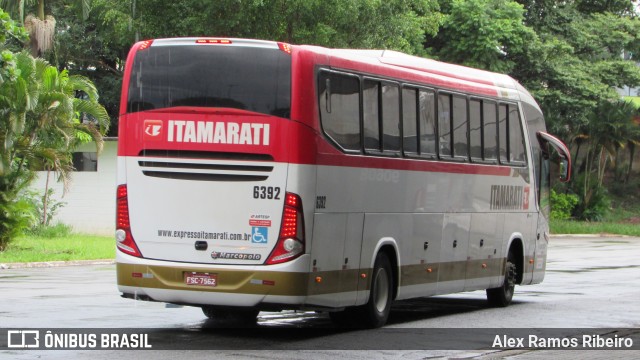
381,294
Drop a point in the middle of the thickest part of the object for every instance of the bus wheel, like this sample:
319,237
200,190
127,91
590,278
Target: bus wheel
231,316
501,296
376,312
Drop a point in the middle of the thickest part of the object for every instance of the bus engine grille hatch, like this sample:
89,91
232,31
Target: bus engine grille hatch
205,166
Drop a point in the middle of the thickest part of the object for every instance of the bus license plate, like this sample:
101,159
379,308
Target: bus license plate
202,279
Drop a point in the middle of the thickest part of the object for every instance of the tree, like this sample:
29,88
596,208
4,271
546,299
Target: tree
98,47
41,27
577,63
609,129
391,24
39,123
16,86
487,34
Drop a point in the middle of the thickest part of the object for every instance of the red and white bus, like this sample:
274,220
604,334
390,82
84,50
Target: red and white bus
257,175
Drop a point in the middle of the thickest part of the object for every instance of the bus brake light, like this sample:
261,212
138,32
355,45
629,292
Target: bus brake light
145,45
124,239
285,47
214,41
290,243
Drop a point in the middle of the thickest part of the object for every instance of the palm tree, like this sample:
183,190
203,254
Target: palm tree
603,136
40,125
60,111
633,140
18,96
41,27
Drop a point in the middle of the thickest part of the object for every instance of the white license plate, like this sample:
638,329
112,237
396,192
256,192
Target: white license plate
201,279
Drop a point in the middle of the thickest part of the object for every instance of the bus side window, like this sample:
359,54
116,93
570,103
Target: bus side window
390,118
371,110
444,125
490,132
409,120
503,141
475,129
427,125
460,141
339,99
516,136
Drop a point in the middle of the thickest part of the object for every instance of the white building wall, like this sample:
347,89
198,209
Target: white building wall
90,200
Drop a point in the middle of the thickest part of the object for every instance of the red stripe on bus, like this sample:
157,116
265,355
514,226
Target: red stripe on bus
328,156
290,141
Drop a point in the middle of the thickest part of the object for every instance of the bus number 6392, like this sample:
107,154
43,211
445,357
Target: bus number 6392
266,192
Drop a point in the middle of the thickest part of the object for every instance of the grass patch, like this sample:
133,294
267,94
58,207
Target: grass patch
36,248
634,99
583,227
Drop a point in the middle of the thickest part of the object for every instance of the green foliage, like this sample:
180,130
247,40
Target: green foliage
40,202
487,34
39,123
587,227
50,231
391,24
59,247
16,215
562,205
594,204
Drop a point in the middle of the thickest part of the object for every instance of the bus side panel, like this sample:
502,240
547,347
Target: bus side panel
485,263
518,225
420,255
335,253
455,248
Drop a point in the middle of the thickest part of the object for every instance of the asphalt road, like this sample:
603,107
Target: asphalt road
591,282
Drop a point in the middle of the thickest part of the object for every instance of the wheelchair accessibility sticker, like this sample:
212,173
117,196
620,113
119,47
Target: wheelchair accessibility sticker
259,235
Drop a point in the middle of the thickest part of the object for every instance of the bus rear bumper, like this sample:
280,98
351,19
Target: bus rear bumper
199,298
245,286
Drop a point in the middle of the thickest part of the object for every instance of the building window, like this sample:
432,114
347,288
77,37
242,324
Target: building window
85,161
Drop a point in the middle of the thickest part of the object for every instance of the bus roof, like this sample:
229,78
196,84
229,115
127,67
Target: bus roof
391,63
451,76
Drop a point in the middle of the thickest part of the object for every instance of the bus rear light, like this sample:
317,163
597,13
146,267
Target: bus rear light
124,239
145,45
290,243
285,47
214,41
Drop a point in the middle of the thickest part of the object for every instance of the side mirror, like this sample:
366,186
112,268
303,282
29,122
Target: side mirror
565,173
546,139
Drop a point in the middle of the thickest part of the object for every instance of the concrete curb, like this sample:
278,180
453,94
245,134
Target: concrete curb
587,236
56,264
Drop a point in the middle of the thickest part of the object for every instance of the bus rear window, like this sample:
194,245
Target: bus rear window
246,78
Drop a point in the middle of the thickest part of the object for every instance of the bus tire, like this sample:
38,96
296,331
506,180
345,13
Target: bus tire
231,316
502,296
375,312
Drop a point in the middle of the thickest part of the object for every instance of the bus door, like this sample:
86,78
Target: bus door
546,142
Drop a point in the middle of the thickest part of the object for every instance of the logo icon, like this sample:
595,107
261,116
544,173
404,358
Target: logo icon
23,339
152,130
259,235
